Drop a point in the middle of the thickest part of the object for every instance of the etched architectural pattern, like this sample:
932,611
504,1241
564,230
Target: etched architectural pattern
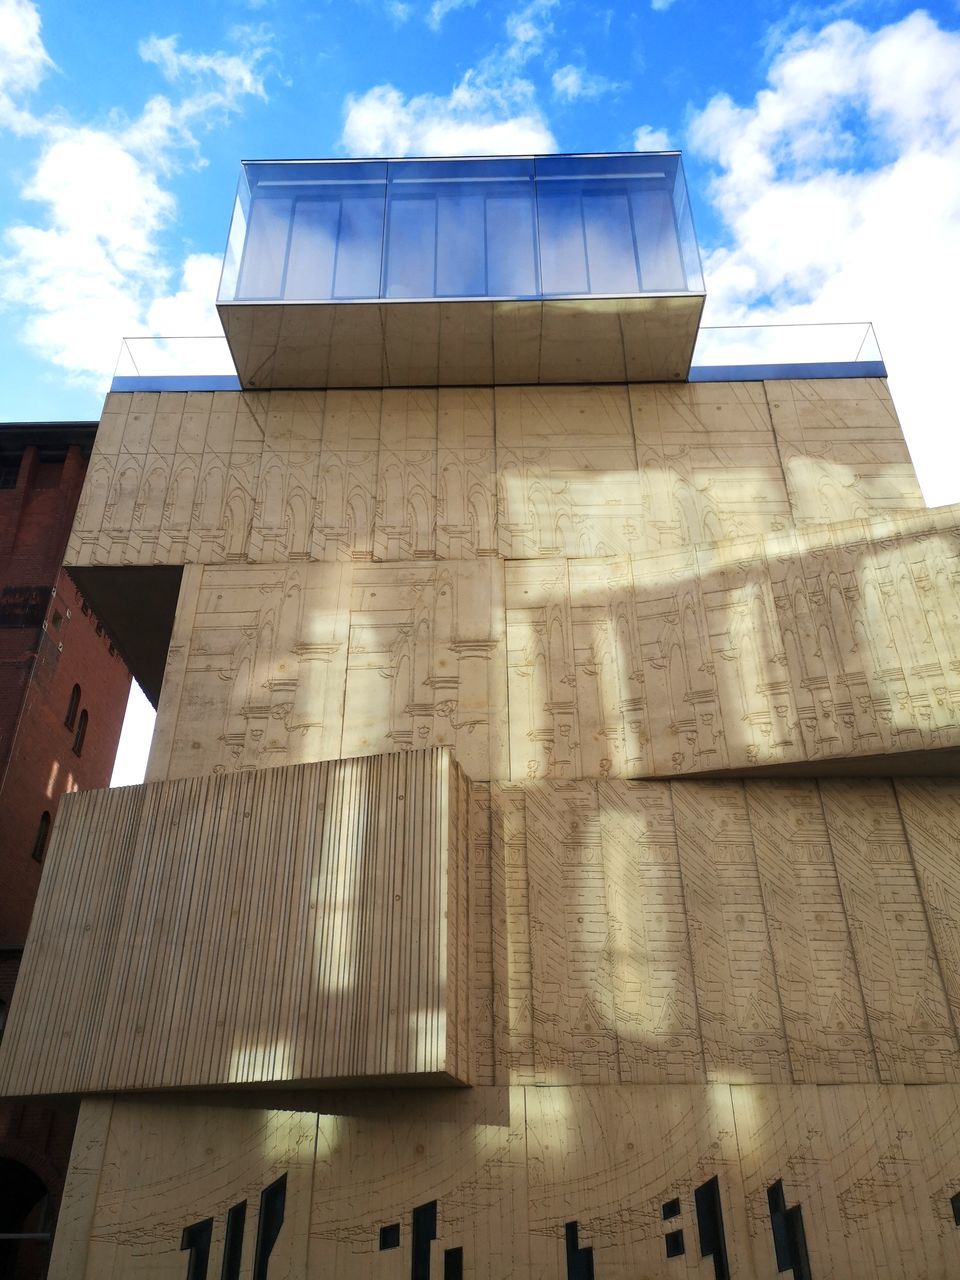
695,649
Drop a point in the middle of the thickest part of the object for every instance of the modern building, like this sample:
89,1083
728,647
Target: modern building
548,863
63,691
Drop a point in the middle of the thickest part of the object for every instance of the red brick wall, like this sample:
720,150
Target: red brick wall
42,764
35,520
38,669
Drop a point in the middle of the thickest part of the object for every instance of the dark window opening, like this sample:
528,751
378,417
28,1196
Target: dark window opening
80,734
73,707
196,1238
675,1247
579,1257
390,1236
25,1221
789,1238
710,1226
424,1230
233,1243
43,831
273,1201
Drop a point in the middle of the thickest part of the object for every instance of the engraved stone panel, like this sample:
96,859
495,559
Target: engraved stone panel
903,988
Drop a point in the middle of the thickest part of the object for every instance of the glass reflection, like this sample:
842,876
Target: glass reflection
262,268
607,225
314,231
460,229
567,226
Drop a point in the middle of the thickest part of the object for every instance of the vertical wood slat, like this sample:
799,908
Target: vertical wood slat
300,923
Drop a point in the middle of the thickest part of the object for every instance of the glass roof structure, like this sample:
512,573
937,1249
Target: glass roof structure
551,226
412,272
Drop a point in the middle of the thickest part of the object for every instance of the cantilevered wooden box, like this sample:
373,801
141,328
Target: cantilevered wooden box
298,925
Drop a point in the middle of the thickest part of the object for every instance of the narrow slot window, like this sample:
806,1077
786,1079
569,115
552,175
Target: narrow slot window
73,706
81,733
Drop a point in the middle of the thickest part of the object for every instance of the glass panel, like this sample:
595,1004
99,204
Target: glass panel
235,241
621,207
332,243
460,240
689,251
411,249
313,249
261,273
360,244
614,225
611,261
511,246
460,229
563,254
657,244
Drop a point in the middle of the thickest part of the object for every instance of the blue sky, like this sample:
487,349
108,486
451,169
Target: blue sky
822,146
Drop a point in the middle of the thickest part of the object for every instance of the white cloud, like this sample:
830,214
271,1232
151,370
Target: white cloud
398,11
647,138
230,74
528,29
660,5
840,191
471,120
218,83
571,83
23,61
192,310
491,111
440,8
92,269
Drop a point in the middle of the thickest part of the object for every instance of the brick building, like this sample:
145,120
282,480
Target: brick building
63,691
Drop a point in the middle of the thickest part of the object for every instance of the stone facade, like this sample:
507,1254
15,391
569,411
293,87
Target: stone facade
695,650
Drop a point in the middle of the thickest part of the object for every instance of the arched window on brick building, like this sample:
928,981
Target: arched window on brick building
73,707
43,833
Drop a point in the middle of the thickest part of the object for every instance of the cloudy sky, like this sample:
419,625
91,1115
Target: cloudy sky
822,147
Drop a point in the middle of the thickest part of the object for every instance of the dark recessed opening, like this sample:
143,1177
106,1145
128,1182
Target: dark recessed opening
136,606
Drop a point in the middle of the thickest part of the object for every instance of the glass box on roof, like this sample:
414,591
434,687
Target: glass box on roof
376,234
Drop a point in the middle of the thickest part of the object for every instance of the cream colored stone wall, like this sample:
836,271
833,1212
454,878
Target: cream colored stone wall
509,1168
641,581
466,473
671,979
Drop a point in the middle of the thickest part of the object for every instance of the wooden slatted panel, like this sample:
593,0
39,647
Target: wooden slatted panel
307,923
